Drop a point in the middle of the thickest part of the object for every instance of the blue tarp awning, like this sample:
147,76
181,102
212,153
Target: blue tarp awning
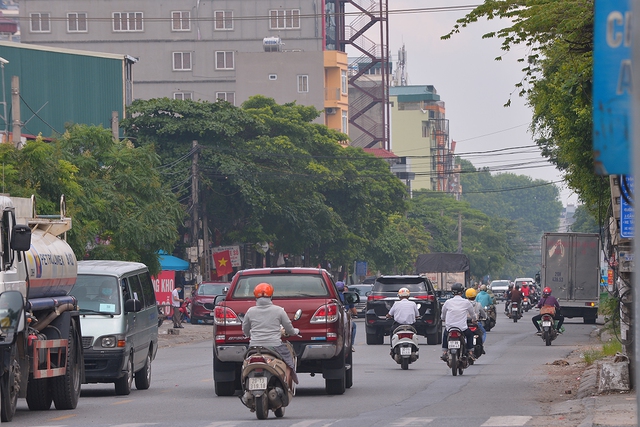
172,263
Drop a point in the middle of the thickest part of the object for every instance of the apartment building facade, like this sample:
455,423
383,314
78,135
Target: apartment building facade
208,50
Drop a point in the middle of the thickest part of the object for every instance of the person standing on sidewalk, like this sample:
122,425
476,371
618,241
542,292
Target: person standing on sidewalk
176,302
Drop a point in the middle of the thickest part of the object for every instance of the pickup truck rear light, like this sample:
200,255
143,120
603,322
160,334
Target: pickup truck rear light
224,316
375,297
327,313
427,297
332,336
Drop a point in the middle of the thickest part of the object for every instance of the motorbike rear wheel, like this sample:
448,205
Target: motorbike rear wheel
262,407
405,363
454,364
547,337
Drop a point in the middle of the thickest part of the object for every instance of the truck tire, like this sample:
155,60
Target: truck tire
39,394
123,384
10,387
143,376
65,390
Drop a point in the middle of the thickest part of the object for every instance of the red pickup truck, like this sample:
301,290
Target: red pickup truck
311,300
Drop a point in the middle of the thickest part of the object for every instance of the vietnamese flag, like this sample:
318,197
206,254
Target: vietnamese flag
222,261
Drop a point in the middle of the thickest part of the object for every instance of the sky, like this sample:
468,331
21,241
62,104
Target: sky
472,84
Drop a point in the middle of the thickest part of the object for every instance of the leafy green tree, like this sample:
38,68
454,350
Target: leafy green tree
584,221
557,81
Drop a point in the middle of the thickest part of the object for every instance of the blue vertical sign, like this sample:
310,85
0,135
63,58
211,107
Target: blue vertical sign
627,220
361,268
612,87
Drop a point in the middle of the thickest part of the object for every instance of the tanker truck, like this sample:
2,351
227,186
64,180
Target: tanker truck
40,338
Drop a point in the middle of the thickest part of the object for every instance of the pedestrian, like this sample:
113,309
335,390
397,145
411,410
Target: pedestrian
176,302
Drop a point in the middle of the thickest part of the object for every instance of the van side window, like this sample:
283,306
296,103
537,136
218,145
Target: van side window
126,290
147,289
136,289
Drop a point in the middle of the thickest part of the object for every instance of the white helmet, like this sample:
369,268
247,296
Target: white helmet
404,293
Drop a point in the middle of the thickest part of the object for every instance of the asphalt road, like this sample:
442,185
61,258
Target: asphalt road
497,391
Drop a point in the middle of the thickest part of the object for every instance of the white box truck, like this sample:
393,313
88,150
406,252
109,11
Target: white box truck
571,268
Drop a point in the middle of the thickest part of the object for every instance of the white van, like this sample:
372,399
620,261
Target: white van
119,323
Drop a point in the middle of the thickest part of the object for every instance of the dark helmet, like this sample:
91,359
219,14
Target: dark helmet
457,288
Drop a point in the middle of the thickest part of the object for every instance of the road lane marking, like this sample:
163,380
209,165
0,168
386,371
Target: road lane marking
63,417
508,421
411,421
123,401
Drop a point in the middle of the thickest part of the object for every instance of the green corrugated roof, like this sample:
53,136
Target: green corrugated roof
414,93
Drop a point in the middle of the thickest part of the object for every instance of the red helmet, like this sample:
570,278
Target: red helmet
546,291
263,290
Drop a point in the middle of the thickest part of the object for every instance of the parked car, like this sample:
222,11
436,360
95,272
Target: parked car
202,300
499,288
363,292
310,298
385,293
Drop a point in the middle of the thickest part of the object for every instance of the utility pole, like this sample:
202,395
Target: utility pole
15,111
194,211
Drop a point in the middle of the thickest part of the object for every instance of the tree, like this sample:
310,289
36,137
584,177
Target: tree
557,81
584,221
268,173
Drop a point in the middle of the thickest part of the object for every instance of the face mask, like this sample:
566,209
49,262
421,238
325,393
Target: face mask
106,291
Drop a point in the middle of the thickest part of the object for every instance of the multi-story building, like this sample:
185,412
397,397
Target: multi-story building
420,132
209,50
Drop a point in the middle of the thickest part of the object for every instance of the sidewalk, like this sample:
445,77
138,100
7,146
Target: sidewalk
188,334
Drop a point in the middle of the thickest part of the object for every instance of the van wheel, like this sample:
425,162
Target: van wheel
143,376
123,384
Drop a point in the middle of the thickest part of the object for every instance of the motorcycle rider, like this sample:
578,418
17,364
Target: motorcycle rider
454,314
507,299
516,296
481,314
351,308
548,300
404,312
483,297
263,323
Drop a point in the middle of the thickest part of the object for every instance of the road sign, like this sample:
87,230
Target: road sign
627,214
612,87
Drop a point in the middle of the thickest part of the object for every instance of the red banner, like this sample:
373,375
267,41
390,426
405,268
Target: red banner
163,285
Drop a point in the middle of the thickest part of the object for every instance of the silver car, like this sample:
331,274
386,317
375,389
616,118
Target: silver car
363,291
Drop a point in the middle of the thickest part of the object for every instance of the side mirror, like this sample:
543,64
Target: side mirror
218,299
132,305
537,278
21,238
351,298
11,312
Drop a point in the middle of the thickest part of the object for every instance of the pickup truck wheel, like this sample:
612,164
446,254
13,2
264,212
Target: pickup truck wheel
65,390
375,339
349,373
589,320
432,339
225,388
337,385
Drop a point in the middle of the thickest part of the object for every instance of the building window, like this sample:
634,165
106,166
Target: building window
224,60
182,95
345,122
77,22
40,23
230,97
345,82
303,83
284,19
181,61
180,21
127,21
224,20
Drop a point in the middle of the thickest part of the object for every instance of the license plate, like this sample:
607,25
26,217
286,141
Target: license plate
405,351
258,383
546,323
514,309
474,340
454,344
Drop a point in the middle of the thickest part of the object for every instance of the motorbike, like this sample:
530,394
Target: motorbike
478,346
457,358
404,345
548,325
526,304
265,382
514,311
492,316
184,310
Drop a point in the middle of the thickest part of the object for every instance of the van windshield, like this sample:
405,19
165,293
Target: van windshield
97,294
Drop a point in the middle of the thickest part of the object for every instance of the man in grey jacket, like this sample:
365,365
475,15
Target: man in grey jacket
263,323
